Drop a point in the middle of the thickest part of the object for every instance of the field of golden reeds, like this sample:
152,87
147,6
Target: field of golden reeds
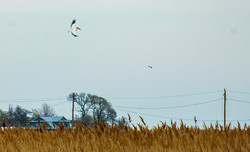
138,138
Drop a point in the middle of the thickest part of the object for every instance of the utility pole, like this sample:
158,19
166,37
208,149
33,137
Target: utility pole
73,100
225,99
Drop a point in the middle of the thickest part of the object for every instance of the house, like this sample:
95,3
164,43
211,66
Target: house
51,122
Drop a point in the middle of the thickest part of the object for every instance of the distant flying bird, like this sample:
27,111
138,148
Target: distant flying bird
74,28
150,67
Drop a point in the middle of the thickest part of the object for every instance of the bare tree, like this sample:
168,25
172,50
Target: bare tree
111,115
10,115
3,115
17,116
99,107
35,114
103,110
122,122
47,111
85,103
20,116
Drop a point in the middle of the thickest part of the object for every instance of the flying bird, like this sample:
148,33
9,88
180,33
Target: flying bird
150,67
74,28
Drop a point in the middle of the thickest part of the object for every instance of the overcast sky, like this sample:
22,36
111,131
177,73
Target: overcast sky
194,46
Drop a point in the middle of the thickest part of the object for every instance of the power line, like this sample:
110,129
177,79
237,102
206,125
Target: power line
59,103
173,107
31,100
240,92
59,98
161,97
242,101
239,120
159,116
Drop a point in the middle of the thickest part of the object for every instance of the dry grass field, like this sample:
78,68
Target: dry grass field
138,138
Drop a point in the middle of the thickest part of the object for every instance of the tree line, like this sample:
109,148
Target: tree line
91,107
94,108
20,116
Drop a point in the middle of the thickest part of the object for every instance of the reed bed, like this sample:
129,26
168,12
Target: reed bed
137,138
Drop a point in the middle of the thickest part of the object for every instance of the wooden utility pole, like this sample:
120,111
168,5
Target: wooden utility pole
73,100
225,99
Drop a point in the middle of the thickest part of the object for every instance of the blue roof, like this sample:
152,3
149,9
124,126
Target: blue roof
52,119
51,122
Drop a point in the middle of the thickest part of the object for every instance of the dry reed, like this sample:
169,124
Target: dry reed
139,138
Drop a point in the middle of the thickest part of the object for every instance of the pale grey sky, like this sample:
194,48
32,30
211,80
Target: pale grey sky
194,47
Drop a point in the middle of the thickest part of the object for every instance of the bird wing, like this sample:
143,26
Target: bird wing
73,23
73,32
73,28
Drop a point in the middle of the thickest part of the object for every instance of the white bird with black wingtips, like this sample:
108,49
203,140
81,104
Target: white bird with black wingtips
74,28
